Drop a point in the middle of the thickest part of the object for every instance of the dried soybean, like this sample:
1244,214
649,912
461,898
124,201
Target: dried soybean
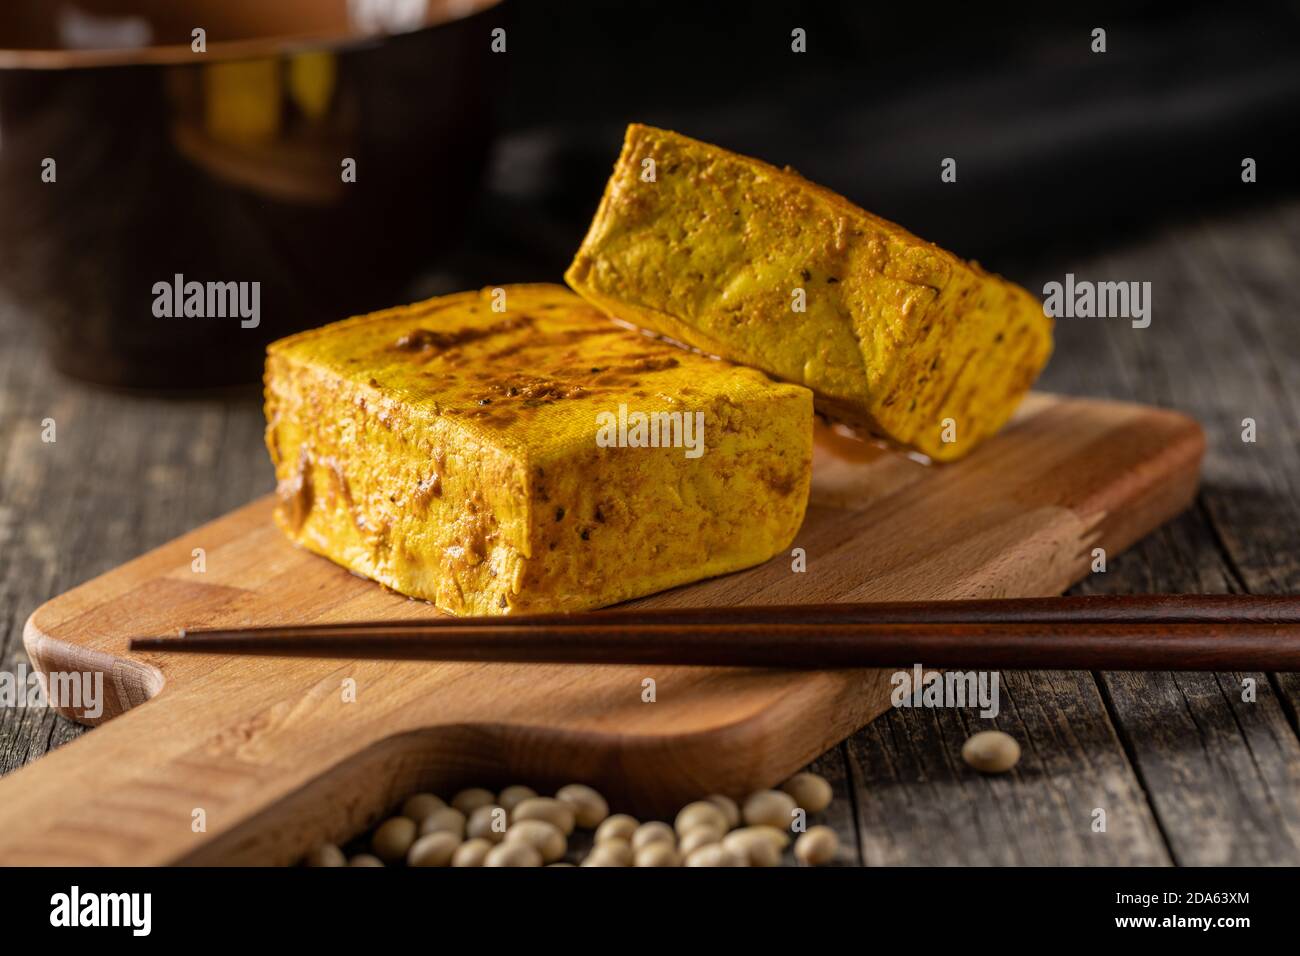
810,791
773,808
589,807
817,847
435,849
620,826
991,751
393,838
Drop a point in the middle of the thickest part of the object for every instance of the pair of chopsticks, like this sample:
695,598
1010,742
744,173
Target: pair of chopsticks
1138,632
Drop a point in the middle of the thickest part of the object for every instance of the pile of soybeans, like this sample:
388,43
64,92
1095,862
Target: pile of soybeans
519,827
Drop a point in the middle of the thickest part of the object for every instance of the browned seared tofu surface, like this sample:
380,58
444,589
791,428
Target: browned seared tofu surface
760,266
514,450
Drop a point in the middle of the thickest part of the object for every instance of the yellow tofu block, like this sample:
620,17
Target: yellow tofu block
760,266
539,458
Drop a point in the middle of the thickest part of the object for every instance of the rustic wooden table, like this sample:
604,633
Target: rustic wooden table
1185,770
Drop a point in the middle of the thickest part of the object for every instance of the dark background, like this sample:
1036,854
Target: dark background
1058,149
1123,166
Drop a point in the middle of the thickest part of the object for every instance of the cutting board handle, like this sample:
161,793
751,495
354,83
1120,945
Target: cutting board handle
183,774
185,778
265,750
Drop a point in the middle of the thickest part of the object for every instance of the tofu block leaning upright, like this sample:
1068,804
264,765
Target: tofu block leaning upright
515,451
756,264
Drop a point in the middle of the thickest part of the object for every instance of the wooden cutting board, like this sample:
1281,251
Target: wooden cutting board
212,759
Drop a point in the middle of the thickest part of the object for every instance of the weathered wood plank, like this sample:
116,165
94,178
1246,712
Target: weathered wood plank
1222,773
1219,773
841,815
1255,511
1201,776
126,473
919,804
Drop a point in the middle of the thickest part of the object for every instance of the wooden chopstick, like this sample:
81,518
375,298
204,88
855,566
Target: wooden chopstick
1157,632
1149,608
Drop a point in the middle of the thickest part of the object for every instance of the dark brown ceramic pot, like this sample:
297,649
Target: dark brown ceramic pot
129,158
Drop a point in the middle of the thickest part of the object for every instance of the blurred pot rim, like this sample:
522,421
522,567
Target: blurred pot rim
436,14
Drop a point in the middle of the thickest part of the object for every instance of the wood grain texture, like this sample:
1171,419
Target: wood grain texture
1062,644
909,780
1222,775
1222,346
130,472
275,757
